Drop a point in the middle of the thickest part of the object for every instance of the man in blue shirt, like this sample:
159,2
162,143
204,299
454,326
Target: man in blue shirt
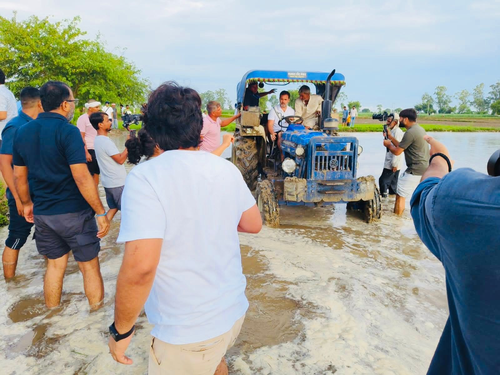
49,152
457,216
345,114
19,228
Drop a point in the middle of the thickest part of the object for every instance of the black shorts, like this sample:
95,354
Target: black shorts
56,235
92,165
114,197
19,228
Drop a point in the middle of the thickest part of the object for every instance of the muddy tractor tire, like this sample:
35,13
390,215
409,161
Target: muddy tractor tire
268,204
372,209
245,157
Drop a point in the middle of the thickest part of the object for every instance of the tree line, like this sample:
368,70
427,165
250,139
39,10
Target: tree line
466,102
36,50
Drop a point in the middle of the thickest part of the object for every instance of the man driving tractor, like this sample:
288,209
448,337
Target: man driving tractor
278,114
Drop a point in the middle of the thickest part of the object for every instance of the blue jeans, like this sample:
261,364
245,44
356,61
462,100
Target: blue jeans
352,120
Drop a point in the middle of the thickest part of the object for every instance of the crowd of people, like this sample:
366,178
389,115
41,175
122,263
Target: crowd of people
181,211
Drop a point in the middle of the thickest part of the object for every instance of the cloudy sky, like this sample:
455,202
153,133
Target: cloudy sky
391,52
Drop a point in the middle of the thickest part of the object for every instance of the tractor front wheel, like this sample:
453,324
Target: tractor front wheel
372,209
268,204
245,157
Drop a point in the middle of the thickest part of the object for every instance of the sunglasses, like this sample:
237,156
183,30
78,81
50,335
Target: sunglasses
73,100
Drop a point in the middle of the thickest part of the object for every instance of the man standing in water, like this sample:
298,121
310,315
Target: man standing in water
176,251
388,181
88,135
49,152
416,155
19,228
110,162
457,216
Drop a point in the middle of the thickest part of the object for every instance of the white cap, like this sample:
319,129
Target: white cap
92,105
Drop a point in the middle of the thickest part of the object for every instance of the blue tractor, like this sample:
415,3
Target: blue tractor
319,167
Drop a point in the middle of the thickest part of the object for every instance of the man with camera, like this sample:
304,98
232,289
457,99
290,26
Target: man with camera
388,181
416,155
457,216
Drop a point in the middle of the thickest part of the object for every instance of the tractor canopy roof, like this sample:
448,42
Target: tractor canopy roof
284,77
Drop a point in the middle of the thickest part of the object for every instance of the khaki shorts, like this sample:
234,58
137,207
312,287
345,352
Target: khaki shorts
407,183
201,358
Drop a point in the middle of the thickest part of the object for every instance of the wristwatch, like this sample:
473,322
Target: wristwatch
116,336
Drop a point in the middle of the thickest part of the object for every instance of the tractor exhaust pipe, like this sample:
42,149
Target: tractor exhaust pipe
326,108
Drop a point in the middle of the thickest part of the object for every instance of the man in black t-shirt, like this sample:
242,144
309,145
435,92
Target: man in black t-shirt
49,151
252,95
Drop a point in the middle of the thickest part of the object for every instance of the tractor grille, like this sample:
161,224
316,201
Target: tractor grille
333,163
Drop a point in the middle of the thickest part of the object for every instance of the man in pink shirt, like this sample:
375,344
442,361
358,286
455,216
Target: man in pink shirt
88,134
210,133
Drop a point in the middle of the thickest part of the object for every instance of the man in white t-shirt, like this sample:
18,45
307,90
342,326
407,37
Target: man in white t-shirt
181,213
276,115
354,114
308,106
107,109
8,105
110,160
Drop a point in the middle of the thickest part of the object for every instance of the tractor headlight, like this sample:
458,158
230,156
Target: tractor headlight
300,151
360,150
288,165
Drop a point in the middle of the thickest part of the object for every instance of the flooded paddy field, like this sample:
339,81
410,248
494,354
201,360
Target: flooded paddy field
328,294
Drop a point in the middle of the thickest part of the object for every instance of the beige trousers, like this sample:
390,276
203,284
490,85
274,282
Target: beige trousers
201,358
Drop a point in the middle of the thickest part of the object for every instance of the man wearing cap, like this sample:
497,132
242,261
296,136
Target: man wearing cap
88,134
416,152
388,181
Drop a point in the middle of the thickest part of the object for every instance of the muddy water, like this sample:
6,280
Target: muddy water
328,294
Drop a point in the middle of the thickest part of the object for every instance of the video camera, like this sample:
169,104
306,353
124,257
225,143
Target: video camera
381,116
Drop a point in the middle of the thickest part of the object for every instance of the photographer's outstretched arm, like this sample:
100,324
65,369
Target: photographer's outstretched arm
439,166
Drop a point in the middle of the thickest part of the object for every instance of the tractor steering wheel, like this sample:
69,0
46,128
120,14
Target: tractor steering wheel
291,120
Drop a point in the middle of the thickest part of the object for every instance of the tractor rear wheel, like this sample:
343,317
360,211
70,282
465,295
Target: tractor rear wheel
268,204
372,209
245,157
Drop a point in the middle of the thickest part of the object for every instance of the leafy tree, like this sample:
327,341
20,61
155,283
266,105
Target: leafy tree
294,95
274,101
397,110
35,51
463,101
222,97
427,104
206,97
356,104
443,100
388,110
478,100
341,99
495,92
379,108
263,102
365,110
495,107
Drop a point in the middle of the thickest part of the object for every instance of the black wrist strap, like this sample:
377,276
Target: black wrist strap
119,336
444,157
